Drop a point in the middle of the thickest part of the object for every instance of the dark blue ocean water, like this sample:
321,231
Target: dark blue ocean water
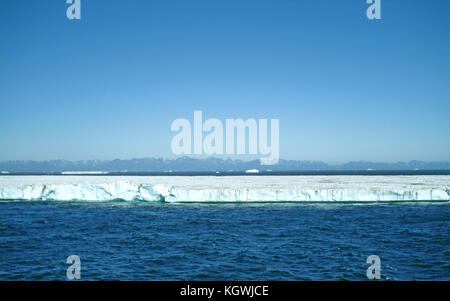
138,241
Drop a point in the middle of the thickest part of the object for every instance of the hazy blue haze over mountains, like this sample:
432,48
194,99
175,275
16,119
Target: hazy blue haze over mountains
185,164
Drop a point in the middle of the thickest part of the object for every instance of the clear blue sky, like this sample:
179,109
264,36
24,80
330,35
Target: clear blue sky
109,85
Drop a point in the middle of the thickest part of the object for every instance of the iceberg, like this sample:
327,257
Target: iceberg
84,172
119,190
226,189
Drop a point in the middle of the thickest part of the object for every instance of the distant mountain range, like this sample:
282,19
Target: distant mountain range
188,164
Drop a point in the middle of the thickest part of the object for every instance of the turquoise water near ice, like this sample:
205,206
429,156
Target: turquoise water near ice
160,241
